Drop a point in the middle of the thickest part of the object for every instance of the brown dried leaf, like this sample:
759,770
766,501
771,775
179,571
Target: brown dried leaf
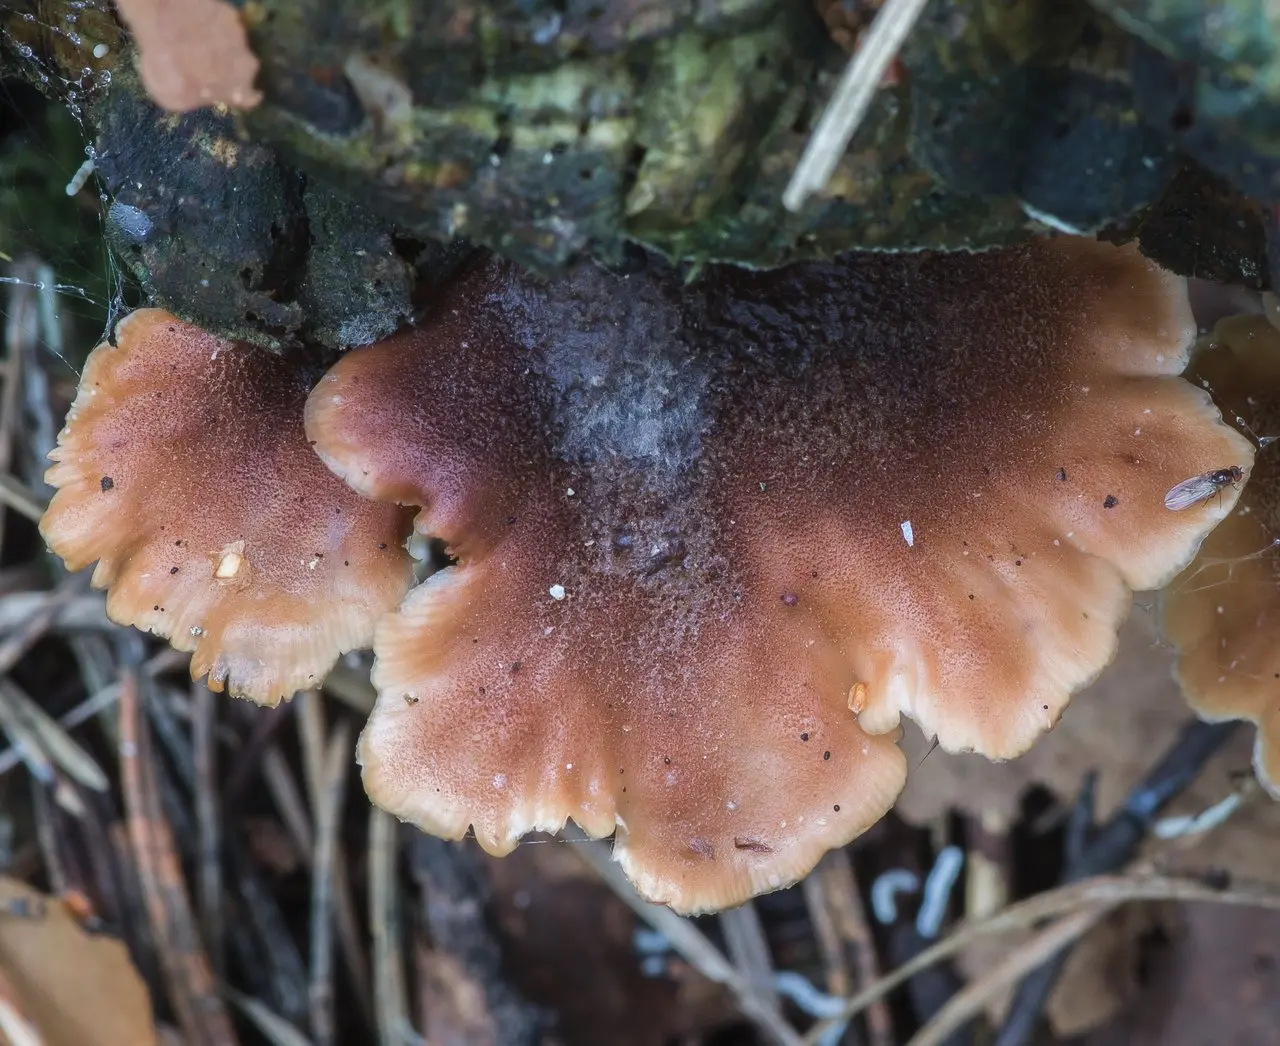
1219,984
1101,975
76,988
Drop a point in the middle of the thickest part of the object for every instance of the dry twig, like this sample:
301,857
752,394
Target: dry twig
311,728
274,1028
271,950
969,1000
204,727
748,950
328,821
690,943
265,724
22,335
1110,848
81,612
50,604
21,716
851,99
18,496
1107,890
47,836
840,922
288,800
186,967
165,661
835,964
352,688
390,997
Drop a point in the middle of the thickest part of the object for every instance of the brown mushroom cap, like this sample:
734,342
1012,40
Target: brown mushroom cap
712,538
184,471
1223,613
192,53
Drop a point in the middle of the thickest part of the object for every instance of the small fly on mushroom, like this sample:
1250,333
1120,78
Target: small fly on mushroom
1200,488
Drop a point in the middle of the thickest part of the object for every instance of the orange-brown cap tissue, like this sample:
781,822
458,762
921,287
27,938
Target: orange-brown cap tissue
192,53
184,471
1223,613
713,540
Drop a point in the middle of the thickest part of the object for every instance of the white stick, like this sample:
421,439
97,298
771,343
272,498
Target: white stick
852,98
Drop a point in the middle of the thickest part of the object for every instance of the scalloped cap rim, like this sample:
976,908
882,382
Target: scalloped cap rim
183,470
653,489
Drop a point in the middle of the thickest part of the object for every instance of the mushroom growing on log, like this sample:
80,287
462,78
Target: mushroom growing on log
713,539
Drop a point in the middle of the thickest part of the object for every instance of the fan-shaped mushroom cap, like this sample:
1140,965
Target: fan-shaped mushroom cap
710,539
1223,613
184,471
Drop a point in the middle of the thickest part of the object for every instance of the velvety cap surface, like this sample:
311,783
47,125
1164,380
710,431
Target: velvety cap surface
184,471
712,540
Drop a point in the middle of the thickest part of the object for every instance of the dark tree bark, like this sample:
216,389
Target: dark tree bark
544,129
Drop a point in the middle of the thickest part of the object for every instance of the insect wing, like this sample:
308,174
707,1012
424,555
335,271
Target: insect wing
1189,492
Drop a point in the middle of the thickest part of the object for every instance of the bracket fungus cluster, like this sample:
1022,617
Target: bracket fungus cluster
711,540
1223,613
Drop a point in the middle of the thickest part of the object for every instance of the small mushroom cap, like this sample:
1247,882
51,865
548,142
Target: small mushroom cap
192,53
184,471
712,539
1223,613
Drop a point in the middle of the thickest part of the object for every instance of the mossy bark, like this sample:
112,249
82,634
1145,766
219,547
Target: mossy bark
544,129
